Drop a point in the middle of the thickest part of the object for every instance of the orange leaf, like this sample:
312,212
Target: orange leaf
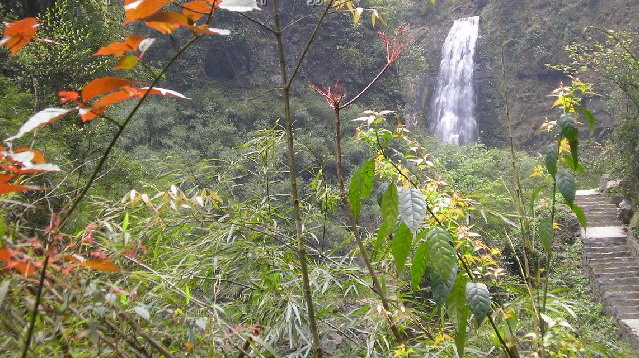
167,22
134,41
196,9
101,265
25,268
139,9
68,96
5,254
163,27
19,33
126,63
11,188
170,17
118,49
89,114
37,156
103,85
156,91
116,97
72,258
205,30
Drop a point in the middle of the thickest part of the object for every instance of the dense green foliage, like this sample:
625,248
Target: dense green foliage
212,230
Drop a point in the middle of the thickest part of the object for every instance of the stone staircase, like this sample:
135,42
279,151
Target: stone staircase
611,262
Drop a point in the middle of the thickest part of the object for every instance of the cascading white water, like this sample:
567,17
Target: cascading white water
453,107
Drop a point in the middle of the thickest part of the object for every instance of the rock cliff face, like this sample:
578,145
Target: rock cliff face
532,34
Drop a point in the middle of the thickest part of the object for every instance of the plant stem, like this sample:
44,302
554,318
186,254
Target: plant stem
301,250
519,201
542,325
355,228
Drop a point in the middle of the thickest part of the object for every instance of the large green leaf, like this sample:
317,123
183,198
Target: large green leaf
581,216
546,234
442,255
412,207
568,126
574,154
478,299
459,312
400,246
388,203
390,206
441,288
551,159
419,265
567,187
361,186
592,121
570,162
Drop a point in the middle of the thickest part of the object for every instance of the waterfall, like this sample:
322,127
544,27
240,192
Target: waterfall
452,113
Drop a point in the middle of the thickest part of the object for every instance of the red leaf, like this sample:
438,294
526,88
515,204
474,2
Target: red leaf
98,255
196,9
19,33
139,9
103,85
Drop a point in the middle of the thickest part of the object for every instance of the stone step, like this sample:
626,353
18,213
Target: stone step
593,200
618,281
610,262
597,245
606,248
621,295
614,260
620,251
598,207
626,313
616,274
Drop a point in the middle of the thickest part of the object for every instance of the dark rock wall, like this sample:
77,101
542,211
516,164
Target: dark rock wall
533,33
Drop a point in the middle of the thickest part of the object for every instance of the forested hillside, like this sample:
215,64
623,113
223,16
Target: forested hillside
248,178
